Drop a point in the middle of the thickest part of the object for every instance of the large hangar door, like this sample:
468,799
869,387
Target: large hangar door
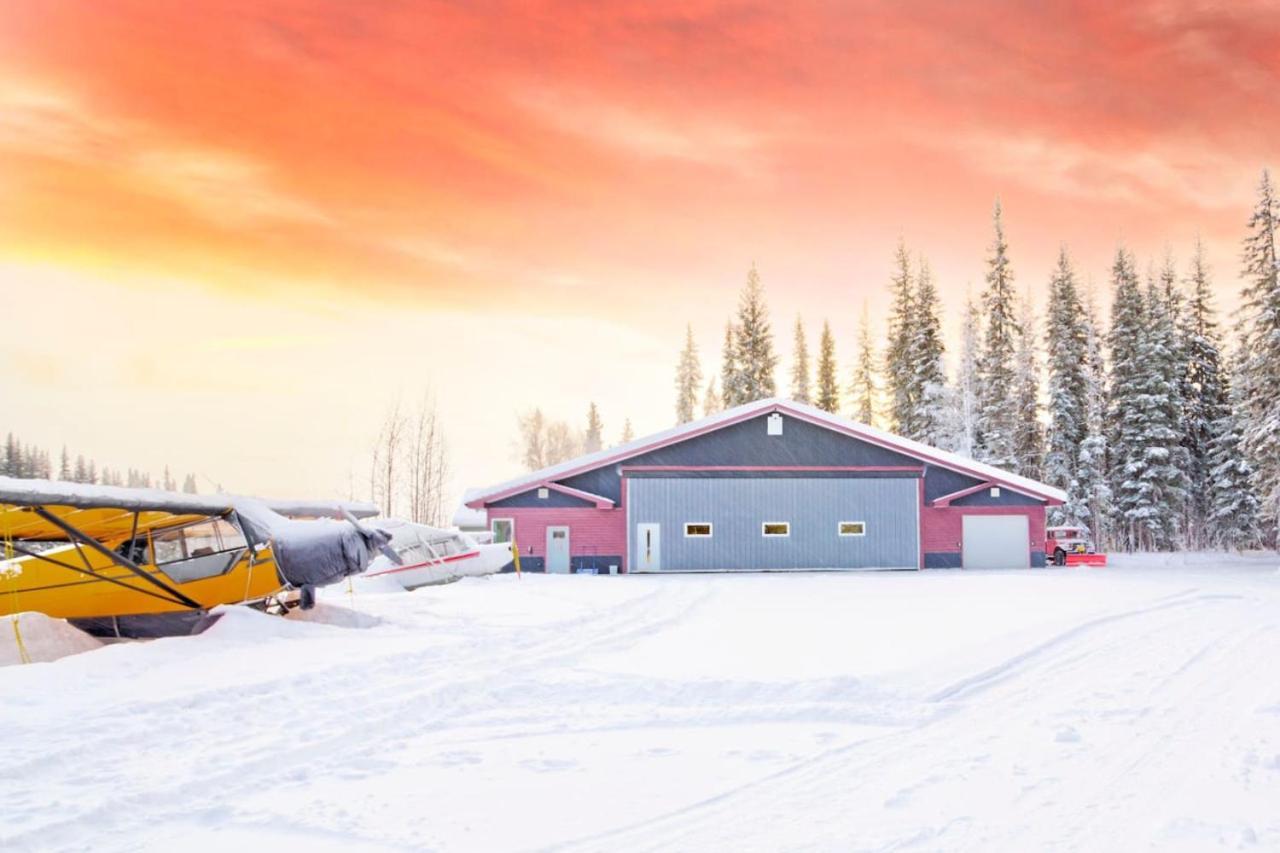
996,542
714,523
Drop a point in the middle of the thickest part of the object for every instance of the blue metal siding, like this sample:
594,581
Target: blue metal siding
944,481
1007,498
736,509
748,443
554,499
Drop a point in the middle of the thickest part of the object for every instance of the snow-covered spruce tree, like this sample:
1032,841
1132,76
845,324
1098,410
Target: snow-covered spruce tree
997,398
1259,381
753,344
899,367
1126,420
1233,514
1028,433
967,380
1089,492
593,440
1067,354
711,400
930,422
828,398
688,379
1204,398
730,375
862,389
1164,475
628,434
800,367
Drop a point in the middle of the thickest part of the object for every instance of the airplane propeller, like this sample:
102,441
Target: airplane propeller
375,536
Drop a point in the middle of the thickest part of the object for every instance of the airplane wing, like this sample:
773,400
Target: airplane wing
107,512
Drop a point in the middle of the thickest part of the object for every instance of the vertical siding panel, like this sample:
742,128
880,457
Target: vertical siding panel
736,507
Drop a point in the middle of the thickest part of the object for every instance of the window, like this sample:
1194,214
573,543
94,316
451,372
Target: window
776,528
697,529
995,491
853,528
775,424
504,529
198,551
544,493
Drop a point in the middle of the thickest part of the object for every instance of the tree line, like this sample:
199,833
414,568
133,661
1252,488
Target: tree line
1161,434
31,462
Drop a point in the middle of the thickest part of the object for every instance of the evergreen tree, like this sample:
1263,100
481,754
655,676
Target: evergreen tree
1028,434
753,343
167,483
967,380
81,473
1166,469
1089,496
1233,515
997,398
188,485
628,434
828,386
1126,419
1259,390
1067,350
594,438
688,379
64,465
800,367
863,390
1204,398
930,421
731,392
711,400
899,366
9,463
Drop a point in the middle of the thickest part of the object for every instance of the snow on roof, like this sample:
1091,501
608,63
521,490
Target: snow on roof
465,517
942,458
91,495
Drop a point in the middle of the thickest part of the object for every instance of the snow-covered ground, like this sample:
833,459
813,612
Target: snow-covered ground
1133,707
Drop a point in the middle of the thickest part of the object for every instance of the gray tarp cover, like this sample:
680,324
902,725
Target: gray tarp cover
308,553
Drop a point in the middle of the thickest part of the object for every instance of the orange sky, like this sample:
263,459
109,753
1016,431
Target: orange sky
262,220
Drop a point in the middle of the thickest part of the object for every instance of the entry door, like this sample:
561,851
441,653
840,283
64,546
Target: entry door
996,542
648,548
558,550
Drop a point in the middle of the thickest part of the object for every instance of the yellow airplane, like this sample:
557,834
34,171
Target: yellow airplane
123,562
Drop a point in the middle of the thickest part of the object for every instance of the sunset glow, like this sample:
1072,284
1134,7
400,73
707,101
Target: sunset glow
231,234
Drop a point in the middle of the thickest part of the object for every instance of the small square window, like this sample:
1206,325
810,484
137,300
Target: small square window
697,529
995,491
853,528
504,529
775,528
543,493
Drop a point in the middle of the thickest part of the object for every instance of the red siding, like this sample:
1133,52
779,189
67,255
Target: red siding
941,527
592,532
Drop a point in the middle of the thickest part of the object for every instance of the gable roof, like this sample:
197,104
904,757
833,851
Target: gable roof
476,498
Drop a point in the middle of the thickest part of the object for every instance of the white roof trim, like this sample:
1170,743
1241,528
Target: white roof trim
933,455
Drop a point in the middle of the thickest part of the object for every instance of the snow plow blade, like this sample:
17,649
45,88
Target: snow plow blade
1086,559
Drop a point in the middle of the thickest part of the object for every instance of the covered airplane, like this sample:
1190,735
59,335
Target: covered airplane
427,555
125,562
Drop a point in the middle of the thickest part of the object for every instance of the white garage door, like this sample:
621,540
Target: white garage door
996,542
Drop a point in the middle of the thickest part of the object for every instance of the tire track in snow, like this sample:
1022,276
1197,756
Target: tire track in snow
1009,667
333,740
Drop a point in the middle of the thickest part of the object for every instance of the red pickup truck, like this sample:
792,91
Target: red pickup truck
1068,546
